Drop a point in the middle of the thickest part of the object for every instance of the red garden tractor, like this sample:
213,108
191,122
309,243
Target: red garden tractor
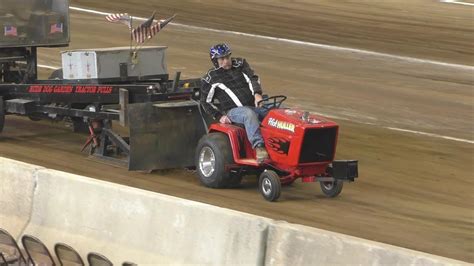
299,144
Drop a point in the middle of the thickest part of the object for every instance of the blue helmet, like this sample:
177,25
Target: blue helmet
218,51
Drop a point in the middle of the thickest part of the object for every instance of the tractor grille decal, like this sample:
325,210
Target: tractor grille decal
318,145
280,145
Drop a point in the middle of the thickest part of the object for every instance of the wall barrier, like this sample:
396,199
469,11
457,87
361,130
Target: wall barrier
17,184
292,244
129,224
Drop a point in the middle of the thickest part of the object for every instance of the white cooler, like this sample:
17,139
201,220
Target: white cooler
114,63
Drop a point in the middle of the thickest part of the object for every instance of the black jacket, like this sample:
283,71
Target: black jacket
234,87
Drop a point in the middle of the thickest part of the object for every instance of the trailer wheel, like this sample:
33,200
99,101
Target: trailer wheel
34,118
213,153
2,114
331,188
269,185
57,74
79,126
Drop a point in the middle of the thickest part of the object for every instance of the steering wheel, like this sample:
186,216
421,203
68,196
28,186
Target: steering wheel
272,102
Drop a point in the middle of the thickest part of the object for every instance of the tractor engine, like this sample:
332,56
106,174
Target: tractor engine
298,142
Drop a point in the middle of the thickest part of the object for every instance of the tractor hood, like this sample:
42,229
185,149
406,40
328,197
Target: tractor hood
291,120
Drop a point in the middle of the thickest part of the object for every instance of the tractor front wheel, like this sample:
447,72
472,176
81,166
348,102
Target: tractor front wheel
331,188
213,156
269,185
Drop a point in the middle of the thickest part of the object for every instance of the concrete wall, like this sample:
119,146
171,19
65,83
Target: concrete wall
17,183
292,244
146,226
128,224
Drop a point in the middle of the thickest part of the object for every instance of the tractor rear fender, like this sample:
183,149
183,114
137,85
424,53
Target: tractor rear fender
241,147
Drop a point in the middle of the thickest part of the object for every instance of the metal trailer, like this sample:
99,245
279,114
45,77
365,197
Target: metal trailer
149,109
98,87
162,119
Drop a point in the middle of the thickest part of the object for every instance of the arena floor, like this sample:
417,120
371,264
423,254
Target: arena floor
414,190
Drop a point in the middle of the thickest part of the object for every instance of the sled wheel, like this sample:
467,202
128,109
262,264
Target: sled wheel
269,185
213,154
331,188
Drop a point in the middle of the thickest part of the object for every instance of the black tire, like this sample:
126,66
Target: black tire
57,74
215,174
77,123
2,114
269,185
331,188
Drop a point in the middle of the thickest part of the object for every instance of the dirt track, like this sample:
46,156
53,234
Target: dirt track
414,191
420,28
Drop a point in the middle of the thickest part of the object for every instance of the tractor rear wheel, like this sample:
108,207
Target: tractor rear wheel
2,114
331,188
269,185
213,154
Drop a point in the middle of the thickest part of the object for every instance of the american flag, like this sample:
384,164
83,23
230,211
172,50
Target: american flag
56,27
141,34
144,32
123,18
149,21
10,31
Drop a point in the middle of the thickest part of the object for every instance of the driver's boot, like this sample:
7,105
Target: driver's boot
261,153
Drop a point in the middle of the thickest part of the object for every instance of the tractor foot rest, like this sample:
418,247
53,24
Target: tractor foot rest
251,162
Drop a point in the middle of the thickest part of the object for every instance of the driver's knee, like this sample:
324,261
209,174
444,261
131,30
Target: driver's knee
249,113
243,115
246,110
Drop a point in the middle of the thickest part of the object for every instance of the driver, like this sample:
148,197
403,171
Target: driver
234,84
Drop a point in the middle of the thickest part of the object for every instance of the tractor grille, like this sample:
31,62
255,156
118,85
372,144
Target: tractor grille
318,145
